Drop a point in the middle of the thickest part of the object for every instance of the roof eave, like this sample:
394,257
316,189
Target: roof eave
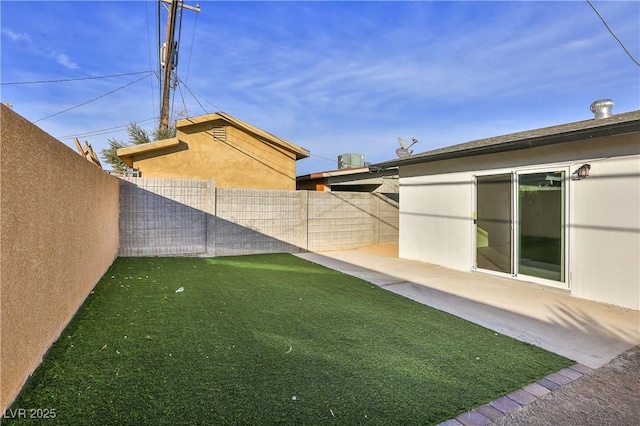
126,154
299,151
344,172
589,133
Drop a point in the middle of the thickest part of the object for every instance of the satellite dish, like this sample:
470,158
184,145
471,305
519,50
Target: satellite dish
405,148
403,152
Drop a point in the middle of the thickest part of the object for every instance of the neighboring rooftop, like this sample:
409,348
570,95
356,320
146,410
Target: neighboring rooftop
355,179
126,154
243,125
339,172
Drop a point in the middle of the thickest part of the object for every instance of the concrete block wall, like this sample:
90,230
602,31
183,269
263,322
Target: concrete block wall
340,220
251,221
388,220
163,217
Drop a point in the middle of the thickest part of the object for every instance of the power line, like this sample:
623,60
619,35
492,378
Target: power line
103,131
193,36
183,102
324,158
253,155
146,10
195,97
158,62
611,32
181,11
95,99
220,109
180,29
75,79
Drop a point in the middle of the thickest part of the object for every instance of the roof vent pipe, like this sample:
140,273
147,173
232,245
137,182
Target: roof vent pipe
602,108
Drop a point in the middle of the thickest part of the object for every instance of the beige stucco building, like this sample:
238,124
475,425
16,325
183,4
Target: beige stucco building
219,147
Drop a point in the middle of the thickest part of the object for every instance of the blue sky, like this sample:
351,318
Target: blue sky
333,77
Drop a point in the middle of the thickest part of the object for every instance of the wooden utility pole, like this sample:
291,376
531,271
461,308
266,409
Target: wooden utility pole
170,56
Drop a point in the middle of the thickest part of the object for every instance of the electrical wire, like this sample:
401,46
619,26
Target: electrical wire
180,24
186,111
611,32
193,36
146,10
195,97
266,161
158,62
104,131
173,96
75,79
220,109
323,158
95,99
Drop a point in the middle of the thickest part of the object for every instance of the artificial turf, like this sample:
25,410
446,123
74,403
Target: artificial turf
267,339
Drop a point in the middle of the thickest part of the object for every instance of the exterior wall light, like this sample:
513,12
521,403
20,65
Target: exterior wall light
582,172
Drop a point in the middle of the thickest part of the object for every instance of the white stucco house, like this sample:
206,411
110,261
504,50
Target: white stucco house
557,206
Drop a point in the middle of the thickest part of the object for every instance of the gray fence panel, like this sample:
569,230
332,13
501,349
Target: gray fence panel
168,217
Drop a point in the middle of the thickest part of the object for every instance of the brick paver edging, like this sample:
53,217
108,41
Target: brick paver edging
497,408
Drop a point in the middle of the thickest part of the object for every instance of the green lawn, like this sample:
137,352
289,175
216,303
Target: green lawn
268,339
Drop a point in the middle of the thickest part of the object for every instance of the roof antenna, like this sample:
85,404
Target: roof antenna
405,148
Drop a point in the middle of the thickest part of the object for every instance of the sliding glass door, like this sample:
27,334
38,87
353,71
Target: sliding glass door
541,230
520,224
494,216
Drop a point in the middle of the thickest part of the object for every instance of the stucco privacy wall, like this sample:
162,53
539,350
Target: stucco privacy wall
436,223
59,234
157,220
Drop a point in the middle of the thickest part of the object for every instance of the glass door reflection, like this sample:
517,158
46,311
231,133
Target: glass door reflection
541,218
493,226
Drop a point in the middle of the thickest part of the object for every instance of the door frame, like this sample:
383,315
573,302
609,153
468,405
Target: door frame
474,230
515,225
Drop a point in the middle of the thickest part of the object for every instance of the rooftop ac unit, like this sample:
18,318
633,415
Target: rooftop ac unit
350,161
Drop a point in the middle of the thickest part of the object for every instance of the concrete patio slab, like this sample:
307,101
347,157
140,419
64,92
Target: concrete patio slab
588,332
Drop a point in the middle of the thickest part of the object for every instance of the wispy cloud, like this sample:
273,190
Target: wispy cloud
511,50
64,60
13,36
61,58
